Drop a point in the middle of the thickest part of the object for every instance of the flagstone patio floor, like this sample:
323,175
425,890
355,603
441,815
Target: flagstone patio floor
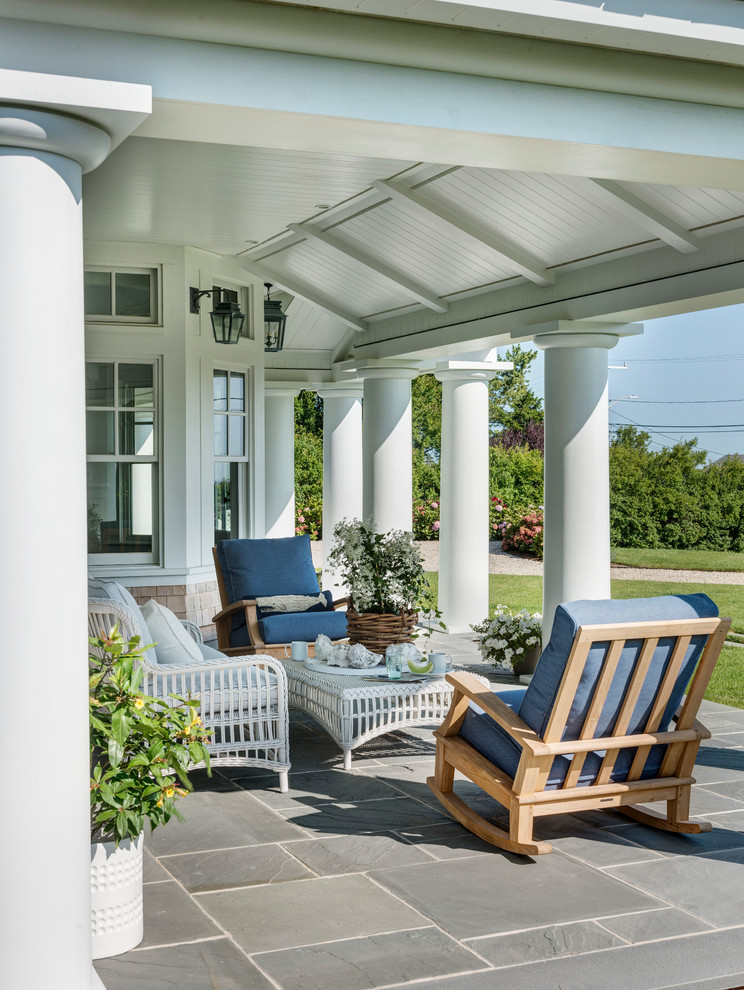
359,879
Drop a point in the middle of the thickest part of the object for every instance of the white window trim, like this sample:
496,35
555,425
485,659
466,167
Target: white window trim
155,319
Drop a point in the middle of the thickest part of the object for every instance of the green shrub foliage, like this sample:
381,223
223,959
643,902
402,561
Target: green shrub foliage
669,499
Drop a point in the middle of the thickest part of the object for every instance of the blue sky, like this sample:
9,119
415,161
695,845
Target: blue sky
688,374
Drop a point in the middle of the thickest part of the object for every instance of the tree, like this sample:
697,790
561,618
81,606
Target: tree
513,405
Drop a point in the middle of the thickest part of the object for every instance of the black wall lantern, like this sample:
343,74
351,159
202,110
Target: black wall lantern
274,322
227,320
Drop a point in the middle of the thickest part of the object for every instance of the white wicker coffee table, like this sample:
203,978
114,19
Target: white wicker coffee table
353,710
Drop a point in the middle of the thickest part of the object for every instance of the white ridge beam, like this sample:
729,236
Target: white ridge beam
513,257
649,217
419,292
309,295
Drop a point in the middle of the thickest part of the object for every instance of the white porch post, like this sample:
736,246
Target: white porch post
342,463
577,486
463,536
45,828
279,458
386,443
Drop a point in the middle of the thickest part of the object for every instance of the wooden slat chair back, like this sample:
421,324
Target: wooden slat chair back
251,569
605,738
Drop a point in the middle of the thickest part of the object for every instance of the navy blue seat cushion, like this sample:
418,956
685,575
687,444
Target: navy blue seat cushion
537,701
291,626
263,568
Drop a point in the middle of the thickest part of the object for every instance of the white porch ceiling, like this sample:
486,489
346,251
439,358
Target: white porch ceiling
357,239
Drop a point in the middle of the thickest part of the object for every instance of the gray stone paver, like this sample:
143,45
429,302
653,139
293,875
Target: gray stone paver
359,880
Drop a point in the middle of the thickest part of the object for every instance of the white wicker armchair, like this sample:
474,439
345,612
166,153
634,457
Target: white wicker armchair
243,699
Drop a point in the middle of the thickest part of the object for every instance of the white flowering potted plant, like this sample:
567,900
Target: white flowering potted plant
511,639
140,750
385,582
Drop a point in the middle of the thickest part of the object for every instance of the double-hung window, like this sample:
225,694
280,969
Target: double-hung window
122,454
230,453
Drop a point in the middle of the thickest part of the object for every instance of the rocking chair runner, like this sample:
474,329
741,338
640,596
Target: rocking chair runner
248,570
591,730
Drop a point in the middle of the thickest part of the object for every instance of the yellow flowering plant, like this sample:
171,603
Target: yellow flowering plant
141,747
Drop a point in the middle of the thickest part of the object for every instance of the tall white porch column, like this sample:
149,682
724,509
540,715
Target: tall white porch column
577,485
44,774
463,536
386,444
342,463
279,458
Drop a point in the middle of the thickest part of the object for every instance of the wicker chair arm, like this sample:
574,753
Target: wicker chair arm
193,630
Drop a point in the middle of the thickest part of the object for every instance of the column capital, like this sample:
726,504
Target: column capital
470,371
80,119
55,134
341,390
582,333
383,368
288,389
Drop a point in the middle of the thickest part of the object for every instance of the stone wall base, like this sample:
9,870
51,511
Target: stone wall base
195,602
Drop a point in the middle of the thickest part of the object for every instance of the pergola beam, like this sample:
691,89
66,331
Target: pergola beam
419,292
649,217
513,257
301,292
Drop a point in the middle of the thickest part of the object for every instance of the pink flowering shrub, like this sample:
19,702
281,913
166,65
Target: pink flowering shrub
498,518
524,534
426,520
309,519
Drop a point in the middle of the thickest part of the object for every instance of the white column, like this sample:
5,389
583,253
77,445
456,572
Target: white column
577,486
342,464
386,443
463,534
279,458
44,774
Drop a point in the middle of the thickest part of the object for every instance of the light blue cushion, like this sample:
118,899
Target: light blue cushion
115,592
261,568
209,653
306,626
542,691
535,706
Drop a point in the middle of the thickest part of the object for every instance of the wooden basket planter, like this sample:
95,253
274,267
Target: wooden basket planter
377,631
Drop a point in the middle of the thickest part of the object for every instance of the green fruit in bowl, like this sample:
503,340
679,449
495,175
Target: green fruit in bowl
423,666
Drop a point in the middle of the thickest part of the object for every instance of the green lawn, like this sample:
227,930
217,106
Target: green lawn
727,683
682,560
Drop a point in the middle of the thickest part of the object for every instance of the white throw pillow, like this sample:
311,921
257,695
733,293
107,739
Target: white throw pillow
174,645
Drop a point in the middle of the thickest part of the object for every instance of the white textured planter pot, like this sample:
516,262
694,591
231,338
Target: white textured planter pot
116,896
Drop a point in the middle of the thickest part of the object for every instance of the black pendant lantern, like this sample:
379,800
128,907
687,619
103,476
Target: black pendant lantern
274,322
227,320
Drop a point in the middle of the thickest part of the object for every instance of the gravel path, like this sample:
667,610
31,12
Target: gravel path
504,563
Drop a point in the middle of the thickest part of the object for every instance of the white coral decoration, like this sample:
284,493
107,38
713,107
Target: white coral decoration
345,654
360,656
323,647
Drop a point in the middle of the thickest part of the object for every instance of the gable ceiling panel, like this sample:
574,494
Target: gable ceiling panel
310,328
691,207
439,258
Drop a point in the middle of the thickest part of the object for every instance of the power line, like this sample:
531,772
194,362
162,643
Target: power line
686,360
657,432
677,402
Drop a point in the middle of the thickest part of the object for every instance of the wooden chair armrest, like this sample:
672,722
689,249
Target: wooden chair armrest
340,601
468,686
242,606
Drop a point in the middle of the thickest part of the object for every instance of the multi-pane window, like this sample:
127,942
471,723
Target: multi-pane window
122,449
230,456
127,295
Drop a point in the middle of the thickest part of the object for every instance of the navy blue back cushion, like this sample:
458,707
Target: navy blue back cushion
261,568
540,696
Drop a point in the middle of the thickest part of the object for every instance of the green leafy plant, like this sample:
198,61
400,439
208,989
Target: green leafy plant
382,572
140,746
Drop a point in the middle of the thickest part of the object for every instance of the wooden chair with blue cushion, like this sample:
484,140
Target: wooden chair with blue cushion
270,597
593,729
